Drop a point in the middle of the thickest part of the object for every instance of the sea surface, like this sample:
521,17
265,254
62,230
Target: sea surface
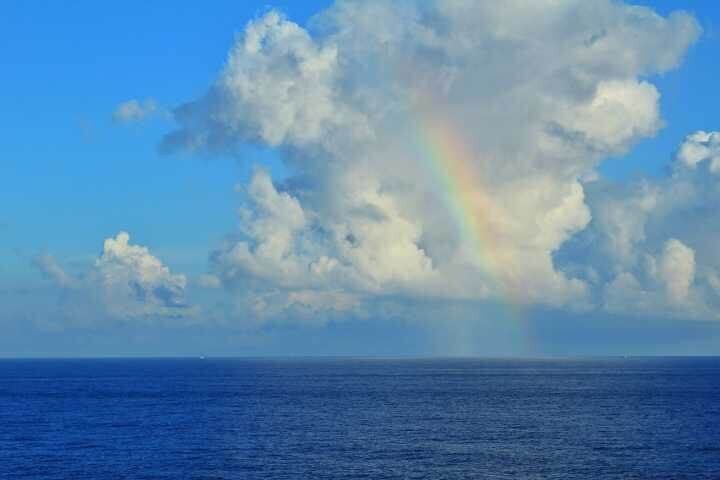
613,418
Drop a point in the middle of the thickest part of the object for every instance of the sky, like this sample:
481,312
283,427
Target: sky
360,178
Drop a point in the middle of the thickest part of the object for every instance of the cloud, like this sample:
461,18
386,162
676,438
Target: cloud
278,86
700,147
135,110
125,282
665,287
208,281
676,270
282,245
135,283
651,247
52,270
442,150
309,307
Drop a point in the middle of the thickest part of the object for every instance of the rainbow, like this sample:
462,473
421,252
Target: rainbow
450,164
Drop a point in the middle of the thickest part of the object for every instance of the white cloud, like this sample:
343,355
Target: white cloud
135,110
125,282
621,220
439,149
700,147
663,286
135,283
676,270
278,86
652,246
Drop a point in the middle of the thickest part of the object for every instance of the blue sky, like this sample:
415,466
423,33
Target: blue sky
65,160
72,176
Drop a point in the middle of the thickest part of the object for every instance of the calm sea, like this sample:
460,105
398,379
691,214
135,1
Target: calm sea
642,418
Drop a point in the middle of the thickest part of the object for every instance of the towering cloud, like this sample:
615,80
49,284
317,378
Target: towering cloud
443,150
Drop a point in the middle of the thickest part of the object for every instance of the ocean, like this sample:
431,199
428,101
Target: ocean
337,418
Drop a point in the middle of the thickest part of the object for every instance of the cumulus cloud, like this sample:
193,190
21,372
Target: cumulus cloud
652,246
676,270
278,86
442,150
664,286
700,147
136,283
135,110
125,282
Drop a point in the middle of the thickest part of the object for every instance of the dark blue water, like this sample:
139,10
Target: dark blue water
370,419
